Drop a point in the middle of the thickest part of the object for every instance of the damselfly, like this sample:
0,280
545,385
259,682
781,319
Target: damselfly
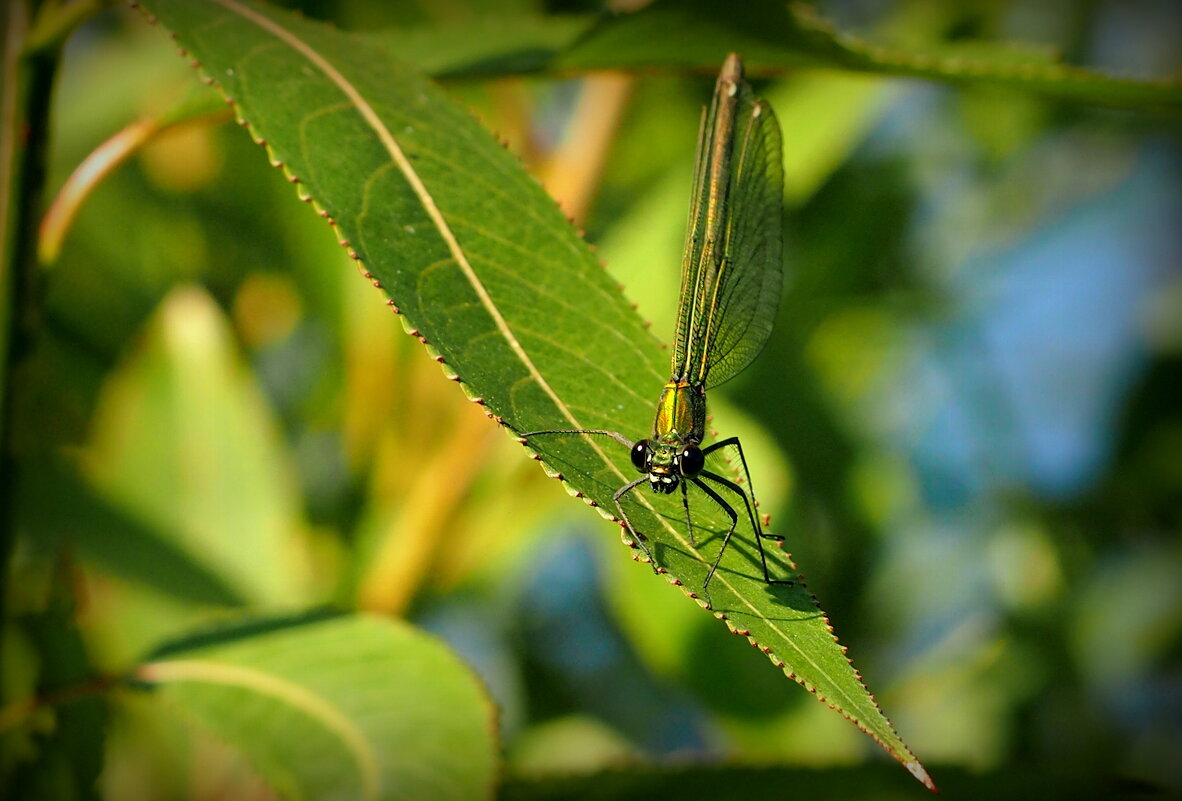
730,291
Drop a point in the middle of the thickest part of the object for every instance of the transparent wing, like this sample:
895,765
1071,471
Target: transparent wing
731,270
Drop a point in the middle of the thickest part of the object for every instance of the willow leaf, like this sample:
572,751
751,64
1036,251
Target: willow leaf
483,268
775,36
772,36
391,715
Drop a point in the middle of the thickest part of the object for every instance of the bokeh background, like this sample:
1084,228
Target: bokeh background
968,423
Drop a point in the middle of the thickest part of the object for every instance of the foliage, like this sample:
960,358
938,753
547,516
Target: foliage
212,422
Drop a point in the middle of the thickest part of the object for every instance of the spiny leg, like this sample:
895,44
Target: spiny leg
637,537
730,511
616,435
689,524
746,476
735,488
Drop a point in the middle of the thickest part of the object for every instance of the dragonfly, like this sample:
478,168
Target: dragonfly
730,291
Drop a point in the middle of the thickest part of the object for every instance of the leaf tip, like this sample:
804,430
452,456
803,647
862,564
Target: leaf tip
917,770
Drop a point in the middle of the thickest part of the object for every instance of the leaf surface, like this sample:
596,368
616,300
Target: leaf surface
62,502
487,272
185,447
337,707
773,37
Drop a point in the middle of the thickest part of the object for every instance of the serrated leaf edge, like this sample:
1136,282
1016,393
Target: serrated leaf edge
390,144
934,65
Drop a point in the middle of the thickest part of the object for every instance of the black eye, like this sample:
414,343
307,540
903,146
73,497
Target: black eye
640,455
692,461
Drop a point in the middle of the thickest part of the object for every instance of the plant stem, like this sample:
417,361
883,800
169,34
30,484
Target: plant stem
27,81
18,713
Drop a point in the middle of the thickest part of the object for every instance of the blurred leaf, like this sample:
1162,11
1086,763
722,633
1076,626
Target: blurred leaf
504,44
337,707
776,36
183,442
61,507
486,270
772,37
827,114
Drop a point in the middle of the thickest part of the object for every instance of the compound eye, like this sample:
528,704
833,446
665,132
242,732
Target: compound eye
692,461
640,455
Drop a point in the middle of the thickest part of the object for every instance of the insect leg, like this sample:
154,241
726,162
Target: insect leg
637,537
747,476
732,514
689,525
735,488
616,435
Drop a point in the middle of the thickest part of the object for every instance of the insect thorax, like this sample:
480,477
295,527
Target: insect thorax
680,423
681,414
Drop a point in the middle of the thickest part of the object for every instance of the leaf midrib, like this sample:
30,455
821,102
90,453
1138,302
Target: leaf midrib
268,684
370,116
419,188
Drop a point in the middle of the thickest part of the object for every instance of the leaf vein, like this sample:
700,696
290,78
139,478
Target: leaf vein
420,189
269,684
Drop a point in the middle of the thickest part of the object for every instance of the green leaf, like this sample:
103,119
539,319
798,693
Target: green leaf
774,36
62,506
487,272
337,707
498,45
829,113
184,444
771,36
